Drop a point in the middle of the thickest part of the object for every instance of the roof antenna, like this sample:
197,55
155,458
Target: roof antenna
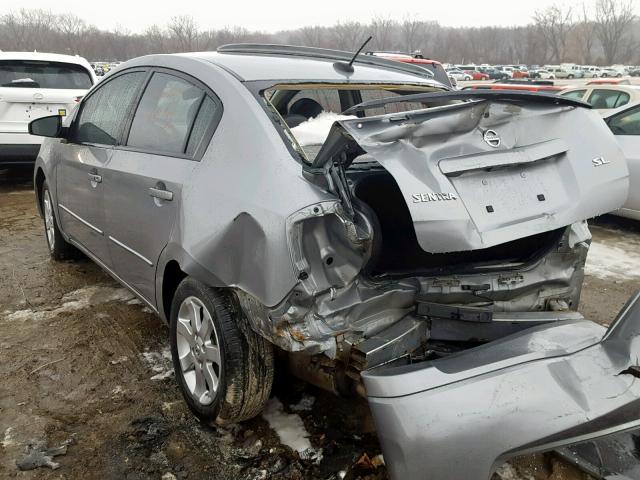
347,68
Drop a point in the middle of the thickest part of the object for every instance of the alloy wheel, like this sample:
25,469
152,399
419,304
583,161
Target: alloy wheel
198,350
49,225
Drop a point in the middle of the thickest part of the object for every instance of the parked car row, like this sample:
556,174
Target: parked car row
562,71
102,68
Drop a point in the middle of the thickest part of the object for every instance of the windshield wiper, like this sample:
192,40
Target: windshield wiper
512,96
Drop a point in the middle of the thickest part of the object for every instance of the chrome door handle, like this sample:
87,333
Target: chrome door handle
161,194
94,177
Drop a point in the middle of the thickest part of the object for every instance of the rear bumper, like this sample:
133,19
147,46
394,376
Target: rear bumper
18,154
552,385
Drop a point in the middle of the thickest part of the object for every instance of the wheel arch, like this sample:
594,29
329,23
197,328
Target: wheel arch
172,275
38,182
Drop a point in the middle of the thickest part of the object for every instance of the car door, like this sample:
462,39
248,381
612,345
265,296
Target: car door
144,179
626,127
96,129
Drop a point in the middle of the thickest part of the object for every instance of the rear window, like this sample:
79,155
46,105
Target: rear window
41,74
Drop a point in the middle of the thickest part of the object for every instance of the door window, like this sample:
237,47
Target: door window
601,98
626,123
165,115
104,113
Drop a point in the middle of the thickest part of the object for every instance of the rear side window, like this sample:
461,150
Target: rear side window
165,115
608,98
209,111
104,113
575,95
39,74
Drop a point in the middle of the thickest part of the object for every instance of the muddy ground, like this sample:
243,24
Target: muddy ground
84,366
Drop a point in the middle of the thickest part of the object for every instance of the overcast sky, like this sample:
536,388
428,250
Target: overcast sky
275,15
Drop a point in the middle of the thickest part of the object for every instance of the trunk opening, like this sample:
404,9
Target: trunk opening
397,251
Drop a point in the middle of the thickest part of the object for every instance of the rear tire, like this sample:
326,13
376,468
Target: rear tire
223,368
59,248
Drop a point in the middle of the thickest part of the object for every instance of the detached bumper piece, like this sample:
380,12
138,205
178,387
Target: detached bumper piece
462,416
615,457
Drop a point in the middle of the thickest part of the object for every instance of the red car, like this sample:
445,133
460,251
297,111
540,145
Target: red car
433,66
477,75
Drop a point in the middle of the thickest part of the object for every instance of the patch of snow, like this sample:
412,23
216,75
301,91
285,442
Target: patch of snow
608,261
160,363
73,301
304,405
290,430
316,130
8,439
118,360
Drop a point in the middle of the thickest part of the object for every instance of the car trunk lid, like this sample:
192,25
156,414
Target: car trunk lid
20,105
502,166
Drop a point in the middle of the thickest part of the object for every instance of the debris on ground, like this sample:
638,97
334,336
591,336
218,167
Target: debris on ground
304,405
160,363
39,455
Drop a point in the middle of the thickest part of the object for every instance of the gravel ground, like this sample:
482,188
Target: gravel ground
85,367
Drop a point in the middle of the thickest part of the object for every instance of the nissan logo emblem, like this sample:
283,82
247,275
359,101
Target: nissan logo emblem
492,138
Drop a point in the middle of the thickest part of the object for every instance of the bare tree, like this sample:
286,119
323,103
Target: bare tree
553,36
413,33
72,29
184,31
555,24
612,22
348,35
16,32
382,30
585,36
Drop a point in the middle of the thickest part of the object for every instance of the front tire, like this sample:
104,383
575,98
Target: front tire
223,368
59,248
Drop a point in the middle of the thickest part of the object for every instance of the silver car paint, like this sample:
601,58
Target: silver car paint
257,239
441,151
549,386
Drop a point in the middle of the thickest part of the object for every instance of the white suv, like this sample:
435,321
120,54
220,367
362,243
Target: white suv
34,85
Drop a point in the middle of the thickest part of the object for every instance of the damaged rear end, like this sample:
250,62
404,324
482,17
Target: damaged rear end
546,387
447,271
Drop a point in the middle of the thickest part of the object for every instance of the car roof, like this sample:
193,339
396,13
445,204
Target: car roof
300,64
46,57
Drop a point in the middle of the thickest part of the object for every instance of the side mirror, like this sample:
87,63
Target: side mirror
47,127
